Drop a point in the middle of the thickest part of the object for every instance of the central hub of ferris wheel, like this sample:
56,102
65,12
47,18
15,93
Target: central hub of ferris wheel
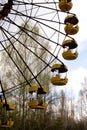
5,9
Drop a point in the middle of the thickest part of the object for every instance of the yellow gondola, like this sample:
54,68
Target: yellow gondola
65,5
36,101
59,81
1,104
72,19
36,105
5,121
61,67
8,105
71,29
56,79
7,124
38,89
71,43
69,54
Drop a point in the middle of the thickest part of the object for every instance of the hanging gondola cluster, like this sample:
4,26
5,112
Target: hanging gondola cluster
69,45
59,71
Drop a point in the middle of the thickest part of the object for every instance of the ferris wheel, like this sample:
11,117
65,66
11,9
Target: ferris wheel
44,30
